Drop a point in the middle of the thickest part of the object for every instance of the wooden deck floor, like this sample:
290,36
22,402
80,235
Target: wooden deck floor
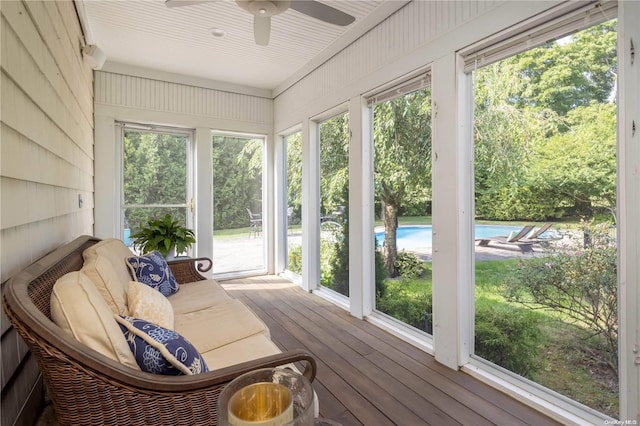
366,376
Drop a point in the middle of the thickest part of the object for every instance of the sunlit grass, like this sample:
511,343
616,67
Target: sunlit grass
566,367
219,234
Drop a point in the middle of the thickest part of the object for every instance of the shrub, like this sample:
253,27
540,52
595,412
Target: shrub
409,265
328,259
578,285
519,203
508,336
295,259
340,265
407,306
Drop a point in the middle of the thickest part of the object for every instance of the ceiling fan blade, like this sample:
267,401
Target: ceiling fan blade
179,3
262,29
322,12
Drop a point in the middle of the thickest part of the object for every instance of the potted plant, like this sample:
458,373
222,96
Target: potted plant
166,235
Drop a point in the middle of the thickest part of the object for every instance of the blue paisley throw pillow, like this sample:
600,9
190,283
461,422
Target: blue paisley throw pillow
159,350
152,269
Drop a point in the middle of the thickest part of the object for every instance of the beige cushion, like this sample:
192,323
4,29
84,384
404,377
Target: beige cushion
247,349
79,309
105,264
149,304
198,295
219,325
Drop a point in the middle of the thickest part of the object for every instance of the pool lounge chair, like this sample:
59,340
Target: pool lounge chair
537,237
535,234
517,239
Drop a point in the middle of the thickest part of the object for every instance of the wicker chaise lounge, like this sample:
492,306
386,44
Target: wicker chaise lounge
88,388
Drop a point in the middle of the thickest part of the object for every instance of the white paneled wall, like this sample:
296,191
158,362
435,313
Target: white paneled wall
377,57
147,94
46,159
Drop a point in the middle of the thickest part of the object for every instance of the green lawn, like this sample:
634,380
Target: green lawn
564,362
565,365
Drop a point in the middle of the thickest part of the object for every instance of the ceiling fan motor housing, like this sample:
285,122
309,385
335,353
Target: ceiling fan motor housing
264,7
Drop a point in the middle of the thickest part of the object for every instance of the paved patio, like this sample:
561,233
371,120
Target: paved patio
246,252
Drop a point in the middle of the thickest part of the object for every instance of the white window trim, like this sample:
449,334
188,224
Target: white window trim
629,209
546,400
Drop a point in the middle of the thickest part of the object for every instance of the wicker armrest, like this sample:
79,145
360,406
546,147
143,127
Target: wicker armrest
88,388
189,269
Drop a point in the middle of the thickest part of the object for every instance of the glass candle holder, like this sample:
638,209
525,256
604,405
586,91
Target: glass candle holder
267,397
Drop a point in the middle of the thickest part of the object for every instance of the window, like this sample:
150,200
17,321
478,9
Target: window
156,177
545,153
334,208
403,194
293,148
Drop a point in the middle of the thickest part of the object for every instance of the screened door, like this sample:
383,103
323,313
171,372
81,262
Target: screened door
238,221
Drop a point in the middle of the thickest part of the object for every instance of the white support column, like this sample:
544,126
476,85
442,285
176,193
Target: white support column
452,214
203,190
629,208
280,197
361,257
107,178
311,205
269,203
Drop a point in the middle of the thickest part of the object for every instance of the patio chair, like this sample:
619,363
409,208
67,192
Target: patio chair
289,217
518,239
255,223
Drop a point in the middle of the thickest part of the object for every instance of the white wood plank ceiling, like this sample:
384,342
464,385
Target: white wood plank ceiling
146,33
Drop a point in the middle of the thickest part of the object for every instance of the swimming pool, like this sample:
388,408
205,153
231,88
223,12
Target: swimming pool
416,237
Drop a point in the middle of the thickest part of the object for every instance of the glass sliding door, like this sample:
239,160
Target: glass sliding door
156,177
545,180
403,194
238,240
334,209
293,147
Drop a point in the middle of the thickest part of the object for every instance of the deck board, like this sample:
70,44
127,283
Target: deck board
367,376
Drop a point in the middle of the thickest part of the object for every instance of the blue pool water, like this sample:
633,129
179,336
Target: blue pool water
415,237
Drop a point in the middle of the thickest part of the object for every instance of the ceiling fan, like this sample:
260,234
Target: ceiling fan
263,10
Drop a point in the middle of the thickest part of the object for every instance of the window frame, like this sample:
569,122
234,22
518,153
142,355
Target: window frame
556,22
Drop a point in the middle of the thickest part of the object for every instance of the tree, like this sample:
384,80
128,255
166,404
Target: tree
402,169
334,163
334,192
294,172
237,180
155,168
504,137
572,72
541,146
578,167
